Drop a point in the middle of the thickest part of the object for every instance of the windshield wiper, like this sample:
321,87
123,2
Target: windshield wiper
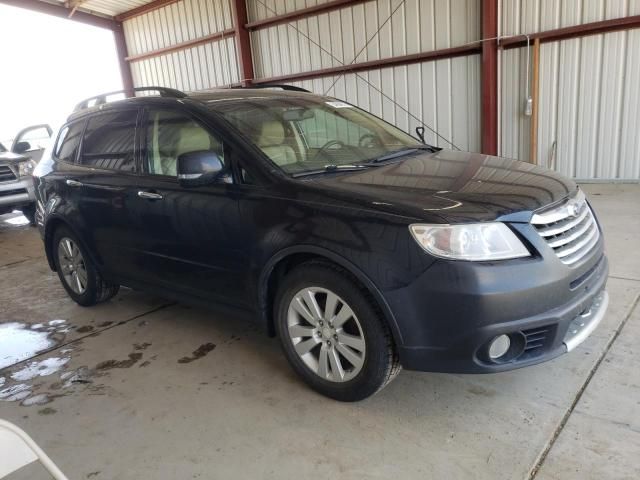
334,168
402,152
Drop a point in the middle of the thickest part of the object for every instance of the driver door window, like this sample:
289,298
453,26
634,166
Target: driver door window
169,135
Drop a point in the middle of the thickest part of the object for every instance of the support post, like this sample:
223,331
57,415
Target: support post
121,51
535,95
243,42
490,77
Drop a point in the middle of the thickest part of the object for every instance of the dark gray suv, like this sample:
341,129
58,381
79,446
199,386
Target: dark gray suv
359,246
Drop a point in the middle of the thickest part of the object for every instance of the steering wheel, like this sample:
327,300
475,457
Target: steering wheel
326,146
369,140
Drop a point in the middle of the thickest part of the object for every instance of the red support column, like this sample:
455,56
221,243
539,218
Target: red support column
243,41
121,50
490,77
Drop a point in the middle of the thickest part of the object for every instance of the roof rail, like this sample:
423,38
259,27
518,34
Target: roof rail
102,98
291,88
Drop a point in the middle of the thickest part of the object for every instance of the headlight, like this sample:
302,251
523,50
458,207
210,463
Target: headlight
26,168
475,242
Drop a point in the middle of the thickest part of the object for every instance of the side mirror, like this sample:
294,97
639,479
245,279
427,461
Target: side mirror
22,147
200,168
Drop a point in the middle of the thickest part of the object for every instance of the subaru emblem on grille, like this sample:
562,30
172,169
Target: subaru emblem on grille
573,209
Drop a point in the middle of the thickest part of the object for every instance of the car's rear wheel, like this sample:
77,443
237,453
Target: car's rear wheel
78,275
30,213
332,333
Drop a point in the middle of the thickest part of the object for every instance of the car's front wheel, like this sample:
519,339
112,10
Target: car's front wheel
332,334
77,273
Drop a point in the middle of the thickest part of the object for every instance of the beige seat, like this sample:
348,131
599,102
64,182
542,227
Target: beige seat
191,138
272,142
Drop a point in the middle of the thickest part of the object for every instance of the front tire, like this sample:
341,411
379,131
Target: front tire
332,333
78,275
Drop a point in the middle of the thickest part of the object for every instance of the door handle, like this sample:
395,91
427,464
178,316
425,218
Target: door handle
149,195
73,183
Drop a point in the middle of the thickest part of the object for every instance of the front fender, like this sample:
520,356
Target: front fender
282,255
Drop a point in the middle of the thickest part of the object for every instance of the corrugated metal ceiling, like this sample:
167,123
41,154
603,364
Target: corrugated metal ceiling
107,7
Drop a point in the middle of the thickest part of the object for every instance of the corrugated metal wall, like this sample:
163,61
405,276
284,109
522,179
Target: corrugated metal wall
589,113
530,16
589,89
416,26
445,94
197,68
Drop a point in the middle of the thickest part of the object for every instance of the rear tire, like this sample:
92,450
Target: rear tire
345,350
30,214
76,271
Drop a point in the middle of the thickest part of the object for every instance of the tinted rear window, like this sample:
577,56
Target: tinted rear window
109,141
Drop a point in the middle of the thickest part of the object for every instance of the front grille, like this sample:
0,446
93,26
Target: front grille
570,229
6,174
15,191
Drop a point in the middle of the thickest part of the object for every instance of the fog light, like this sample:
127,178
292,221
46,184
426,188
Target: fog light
499,346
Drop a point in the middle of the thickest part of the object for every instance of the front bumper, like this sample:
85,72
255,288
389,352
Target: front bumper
449,316
16,194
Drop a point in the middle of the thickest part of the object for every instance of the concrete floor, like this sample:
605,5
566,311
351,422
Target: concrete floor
135,388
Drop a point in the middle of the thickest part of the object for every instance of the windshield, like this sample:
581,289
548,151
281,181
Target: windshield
307,134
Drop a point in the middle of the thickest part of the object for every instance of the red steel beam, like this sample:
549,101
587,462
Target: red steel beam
142,9
63,12
243,41
383,63
125,68
183,45
594,28
302,13
489,75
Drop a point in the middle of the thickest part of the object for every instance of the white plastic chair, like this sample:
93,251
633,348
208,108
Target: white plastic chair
17,449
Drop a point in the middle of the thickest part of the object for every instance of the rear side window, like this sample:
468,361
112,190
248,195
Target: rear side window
68,142
109,141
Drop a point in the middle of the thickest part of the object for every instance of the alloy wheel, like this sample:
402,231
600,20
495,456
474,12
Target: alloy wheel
326,334
72,265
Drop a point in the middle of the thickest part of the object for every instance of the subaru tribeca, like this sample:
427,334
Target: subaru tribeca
363,249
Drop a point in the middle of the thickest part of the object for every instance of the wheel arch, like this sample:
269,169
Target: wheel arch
49,230
288,258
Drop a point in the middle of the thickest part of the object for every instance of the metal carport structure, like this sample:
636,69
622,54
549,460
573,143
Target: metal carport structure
463,64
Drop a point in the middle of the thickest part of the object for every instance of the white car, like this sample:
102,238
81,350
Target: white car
16,167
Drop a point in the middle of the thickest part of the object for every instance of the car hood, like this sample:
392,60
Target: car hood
452,187
8,158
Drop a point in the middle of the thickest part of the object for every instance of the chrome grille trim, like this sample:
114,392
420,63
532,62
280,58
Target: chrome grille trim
548,232
578,255
569,229
576,247
580,229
